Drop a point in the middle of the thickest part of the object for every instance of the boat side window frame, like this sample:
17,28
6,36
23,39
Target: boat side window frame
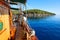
0,11
3,10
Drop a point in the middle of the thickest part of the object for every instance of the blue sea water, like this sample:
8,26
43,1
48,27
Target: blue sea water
47,28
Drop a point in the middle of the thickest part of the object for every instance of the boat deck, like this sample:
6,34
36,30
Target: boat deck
20,33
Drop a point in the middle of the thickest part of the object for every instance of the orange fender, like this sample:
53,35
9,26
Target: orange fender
34,38
13,31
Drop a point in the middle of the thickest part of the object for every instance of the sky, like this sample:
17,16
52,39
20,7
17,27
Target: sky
47,5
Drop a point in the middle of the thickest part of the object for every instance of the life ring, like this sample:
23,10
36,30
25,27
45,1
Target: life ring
1,25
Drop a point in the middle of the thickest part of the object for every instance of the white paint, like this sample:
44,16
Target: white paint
32,33
25,19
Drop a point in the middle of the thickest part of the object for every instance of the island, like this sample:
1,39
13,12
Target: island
35,13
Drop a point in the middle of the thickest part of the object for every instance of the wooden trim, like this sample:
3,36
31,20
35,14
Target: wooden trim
4,3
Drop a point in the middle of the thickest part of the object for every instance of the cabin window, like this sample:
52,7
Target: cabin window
0,11
3,10
0,14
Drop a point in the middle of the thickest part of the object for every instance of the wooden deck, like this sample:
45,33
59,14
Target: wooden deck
20,33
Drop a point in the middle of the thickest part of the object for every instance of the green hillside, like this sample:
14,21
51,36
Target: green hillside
37,11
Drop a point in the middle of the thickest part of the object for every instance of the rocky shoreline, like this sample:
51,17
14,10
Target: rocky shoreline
38,15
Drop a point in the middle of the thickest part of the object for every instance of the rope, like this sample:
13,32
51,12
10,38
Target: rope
29,25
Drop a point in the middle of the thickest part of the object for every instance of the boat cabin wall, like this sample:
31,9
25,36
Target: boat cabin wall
4,19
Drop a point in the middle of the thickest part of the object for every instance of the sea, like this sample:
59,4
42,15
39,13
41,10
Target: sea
46,28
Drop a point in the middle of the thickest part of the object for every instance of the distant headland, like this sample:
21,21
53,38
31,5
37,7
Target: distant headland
36,13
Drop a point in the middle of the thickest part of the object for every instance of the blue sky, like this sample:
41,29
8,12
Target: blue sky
47,5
